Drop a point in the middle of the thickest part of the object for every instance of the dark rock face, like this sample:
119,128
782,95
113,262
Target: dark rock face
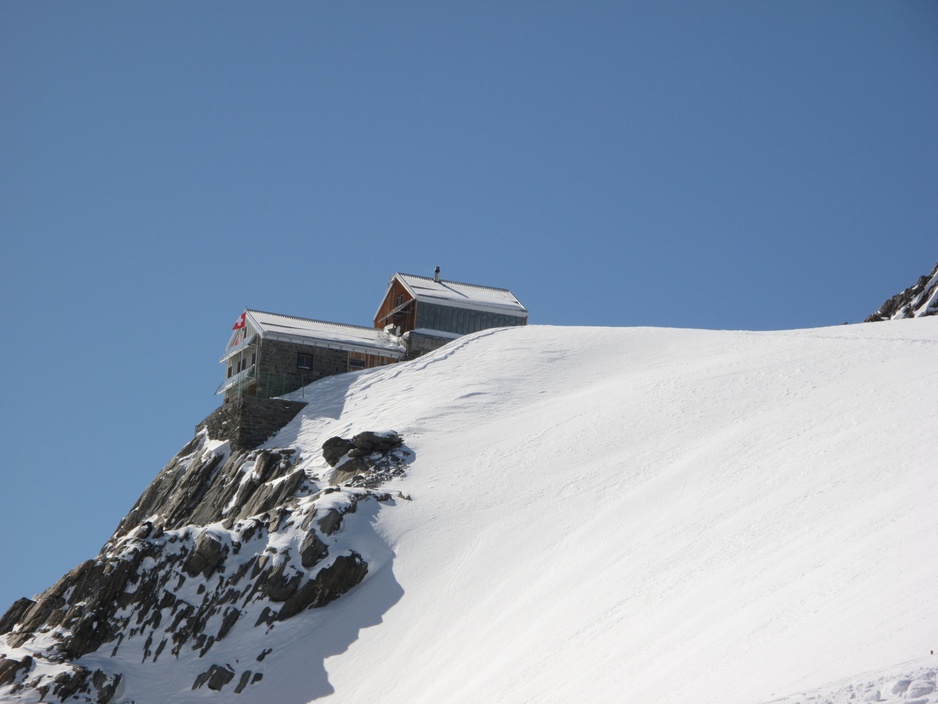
916,301
346,572
335,449
216,677
194,488
367,460
11,669
247,677
209,552
15,614
312,550
220,543
71,682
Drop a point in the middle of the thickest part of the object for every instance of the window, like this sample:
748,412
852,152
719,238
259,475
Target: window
356,360
304,360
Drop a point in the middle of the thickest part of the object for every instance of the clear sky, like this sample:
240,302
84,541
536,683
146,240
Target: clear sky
164,165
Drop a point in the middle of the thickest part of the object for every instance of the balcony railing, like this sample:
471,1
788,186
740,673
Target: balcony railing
269,384
236,380
272,385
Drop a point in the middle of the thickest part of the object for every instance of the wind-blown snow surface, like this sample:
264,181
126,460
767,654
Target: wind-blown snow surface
636,515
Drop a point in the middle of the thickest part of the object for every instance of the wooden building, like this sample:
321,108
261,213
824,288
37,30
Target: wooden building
428,312
270,355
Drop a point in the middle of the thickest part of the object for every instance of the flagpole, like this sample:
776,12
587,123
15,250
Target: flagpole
242,323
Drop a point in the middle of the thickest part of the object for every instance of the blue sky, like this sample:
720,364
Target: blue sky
164,165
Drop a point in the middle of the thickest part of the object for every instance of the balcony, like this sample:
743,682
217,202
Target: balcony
239,380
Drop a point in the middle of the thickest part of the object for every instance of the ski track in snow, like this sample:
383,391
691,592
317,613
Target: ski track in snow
909,683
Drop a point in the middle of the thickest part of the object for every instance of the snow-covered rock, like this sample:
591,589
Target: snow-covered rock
915,302
218,544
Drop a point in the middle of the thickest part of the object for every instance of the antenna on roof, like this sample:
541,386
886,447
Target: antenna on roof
436,275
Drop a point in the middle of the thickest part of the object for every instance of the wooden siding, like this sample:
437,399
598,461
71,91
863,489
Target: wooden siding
397,297
360,360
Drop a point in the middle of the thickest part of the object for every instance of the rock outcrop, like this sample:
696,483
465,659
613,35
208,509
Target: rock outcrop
916,301
221,542
367,460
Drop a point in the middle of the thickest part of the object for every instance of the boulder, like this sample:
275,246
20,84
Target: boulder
215,677
334,449
219,677
371,441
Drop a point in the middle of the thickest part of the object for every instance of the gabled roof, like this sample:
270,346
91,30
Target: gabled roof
319,333
456,294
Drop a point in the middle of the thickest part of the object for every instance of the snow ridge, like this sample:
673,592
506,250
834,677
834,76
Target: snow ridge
641,515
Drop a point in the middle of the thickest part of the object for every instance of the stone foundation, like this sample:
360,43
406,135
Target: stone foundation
248,421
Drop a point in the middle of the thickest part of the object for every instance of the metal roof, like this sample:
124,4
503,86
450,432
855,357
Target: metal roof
456,294
324,334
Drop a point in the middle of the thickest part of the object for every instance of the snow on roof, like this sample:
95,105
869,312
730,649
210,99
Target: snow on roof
453,293
337,335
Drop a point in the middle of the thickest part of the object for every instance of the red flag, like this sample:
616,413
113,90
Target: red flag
240,322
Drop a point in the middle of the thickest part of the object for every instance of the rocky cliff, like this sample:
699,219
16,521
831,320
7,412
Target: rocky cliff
915,302
221,543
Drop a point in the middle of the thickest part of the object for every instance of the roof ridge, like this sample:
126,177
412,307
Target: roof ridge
312,320
449,281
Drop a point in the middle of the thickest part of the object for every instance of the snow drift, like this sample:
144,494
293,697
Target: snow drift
640,515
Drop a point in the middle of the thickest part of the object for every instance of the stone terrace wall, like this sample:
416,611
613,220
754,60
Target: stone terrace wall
248,421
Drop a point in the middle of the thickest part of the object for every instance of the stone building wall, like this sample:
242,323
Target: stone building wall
419,344
249,421
278,373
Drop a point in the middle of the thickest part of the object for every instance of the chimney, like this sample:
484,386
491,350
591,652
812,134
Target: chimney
436,275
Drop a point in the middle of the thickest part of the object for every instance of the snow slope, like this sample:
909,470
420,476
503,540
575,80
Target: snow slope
636,515
650,515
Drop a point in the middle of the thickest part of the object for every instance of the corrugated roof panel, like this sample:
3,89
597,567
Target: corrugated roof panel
376,341
463,295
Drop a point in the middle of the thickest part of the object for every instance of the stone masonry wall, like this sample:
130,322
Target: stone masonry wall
248,421
278,373
418,344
